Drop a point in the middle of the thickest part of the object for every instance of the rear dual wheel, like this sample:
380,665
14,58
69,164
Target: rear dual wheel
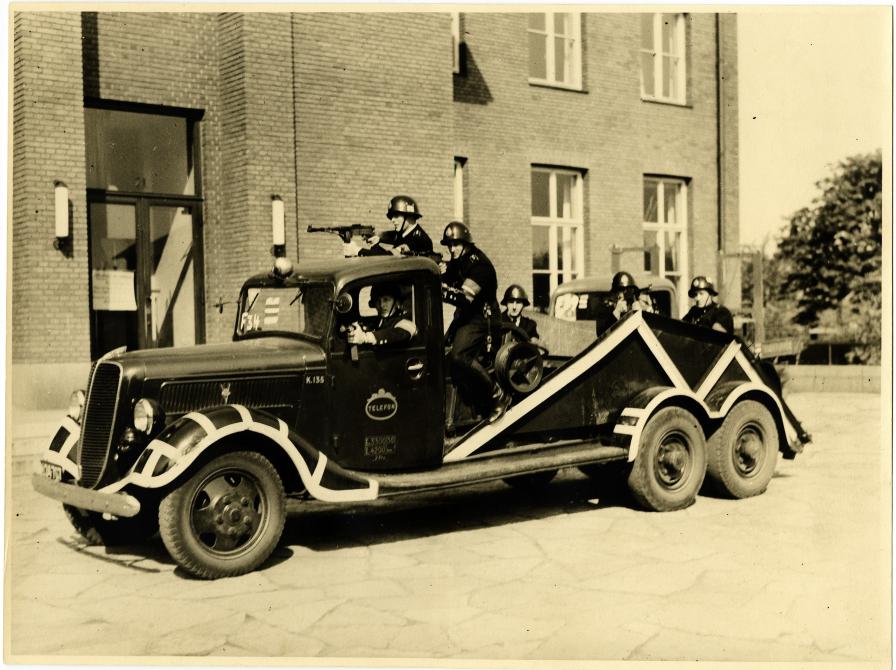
227,518
743,451
671,462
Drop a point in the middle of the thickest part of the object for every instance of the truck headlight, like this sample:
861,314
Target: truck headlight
76,405
147,415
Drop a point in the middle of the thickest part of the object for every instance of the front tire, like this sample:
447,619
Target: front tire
743,451
671,461
227,518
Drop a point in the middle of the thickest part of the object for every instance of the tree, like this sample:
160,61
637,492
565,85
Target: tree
833,247
829,258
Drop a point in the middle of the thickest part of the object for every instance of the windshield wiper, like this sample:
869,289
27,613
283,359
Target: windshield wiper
254,298
298,294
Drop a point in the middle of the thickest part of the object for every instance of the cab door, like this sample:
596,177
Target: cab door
387,401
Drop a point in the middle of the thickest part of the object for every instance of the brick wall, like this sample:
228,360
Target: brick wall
503,125
374,119
49,289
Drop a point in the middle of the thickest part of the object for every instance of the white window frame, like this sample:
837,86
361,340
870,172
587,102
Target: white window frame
679,277
459,168
455,42
575,60
570,230
679,56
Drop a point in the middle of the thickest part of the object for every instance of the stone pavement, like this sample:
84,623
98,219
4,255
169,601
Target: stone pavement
800,573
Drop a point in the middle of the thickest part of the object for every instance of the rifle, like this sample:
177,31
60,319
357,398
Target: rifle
345,232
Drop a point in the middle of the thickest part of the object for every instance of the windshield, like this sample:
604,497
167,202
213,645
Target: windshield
296,310
585,306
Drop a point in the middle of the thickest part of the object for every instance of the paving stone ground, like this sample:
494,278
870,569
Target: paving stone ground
800,573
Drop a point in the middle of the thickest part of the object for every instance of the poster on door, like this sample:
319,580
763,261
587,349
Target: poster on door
113,290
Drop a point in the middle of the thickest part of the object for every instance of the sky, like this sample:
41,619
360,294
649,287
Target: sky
814,88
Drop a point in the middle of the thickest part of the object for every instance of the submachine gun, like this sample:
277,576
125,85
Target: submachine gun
345,232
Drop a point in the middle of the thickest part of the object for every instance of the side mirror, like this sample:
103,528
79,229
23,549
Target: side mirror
343,303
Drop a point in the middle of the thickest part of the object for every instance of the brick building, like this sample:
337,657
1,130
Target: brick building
555,136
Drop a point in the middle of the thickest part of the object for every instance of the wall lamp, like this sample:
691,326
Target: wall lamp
278,227
63,220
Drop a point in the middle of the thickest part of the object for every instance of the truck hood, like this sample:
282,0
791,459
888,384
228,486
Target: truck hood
258,355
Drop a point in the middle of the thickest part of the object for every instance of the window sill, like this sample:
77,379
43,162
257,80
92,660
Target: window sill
541,83
661,101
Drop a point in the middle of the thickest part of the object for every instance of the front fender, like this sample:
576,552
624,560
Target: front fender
178,446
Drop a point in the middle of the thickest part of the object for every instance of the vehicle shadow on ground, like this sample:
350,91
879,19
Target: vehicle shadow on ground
330,527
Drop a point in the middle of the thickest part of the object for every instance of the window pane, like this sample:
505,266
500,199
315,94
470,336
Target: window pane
647,31
538,68
647,60
562,23
536,21
671,201
669,77
562,247
650,200
540,248
149,153
541,291
560,60
540,198
651,252
565,202
669,33
672,251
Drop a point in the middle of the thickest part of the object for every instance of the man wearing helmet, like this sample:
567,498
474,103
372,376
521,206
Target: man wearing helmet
706,311
469,282
390,325
624,297
514,300
406,238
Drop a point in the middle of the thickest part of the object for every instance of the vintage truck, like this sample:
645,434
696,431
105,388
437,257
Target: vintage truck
206,443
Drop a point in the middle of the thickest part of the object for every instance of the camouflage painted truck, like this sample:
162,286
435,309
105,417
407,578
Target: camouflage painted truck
207,443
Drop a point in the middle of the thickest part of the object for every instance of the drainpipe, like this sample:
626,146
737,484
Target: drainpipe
720,165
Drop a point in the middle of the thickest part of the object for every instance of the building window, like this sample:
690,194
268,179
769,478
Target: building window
663,57
455,41
555,49
558,244
459,185
665,231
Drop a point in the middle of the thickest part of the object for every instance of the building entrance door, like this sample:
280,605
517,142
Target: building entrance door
144,252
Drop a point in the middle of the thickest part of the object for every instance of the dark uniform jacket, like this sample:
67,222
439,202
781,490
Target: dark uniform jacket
392,329
414,237
527,325
475,266
707,316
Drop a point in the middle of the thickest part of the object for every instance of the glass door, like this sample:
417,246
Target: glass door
144,288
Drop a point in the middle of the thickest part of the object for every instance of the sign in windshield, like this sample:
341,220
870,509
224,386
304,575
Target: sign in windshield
297,310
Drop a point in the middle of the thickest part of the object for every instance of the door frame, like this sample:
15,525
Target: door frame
143,272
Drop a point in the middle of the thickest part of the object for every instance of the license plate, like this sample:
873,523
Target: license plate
52,471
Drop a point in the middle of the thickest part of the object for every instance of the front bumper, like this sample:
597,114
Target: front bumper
119,504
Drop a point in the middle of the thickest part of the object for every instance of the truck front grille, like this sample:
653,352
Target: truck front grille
99,419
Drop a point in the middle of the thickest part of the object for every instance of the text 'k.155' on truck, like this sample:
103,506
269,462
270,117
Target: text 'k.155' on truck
207,443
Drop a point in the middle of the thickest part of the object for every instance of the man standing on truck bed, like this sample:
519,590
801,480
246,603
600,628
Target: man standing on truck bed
407,237
470,283
706,311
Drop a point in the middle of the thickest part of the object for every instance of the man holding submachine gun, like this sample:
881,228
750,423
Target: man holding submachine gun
406,239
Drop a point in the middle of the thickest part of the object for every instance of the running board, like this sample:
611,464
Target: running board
488,468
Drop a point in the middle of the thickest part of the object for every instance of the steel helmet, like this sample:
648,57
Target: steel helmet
386,288
515,292
456,231
702,283
403,204
623,280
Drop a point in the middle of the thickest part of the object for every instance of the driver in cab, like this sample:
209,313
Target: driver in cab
390,325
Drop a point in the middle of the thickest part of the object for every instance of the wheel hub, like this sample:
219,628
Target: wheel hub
748,452
672,461
226,515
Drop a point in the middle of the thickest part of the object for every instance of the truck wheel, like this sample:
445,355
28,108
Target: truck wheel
671,461
531,482
227,518
98,531
743,451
